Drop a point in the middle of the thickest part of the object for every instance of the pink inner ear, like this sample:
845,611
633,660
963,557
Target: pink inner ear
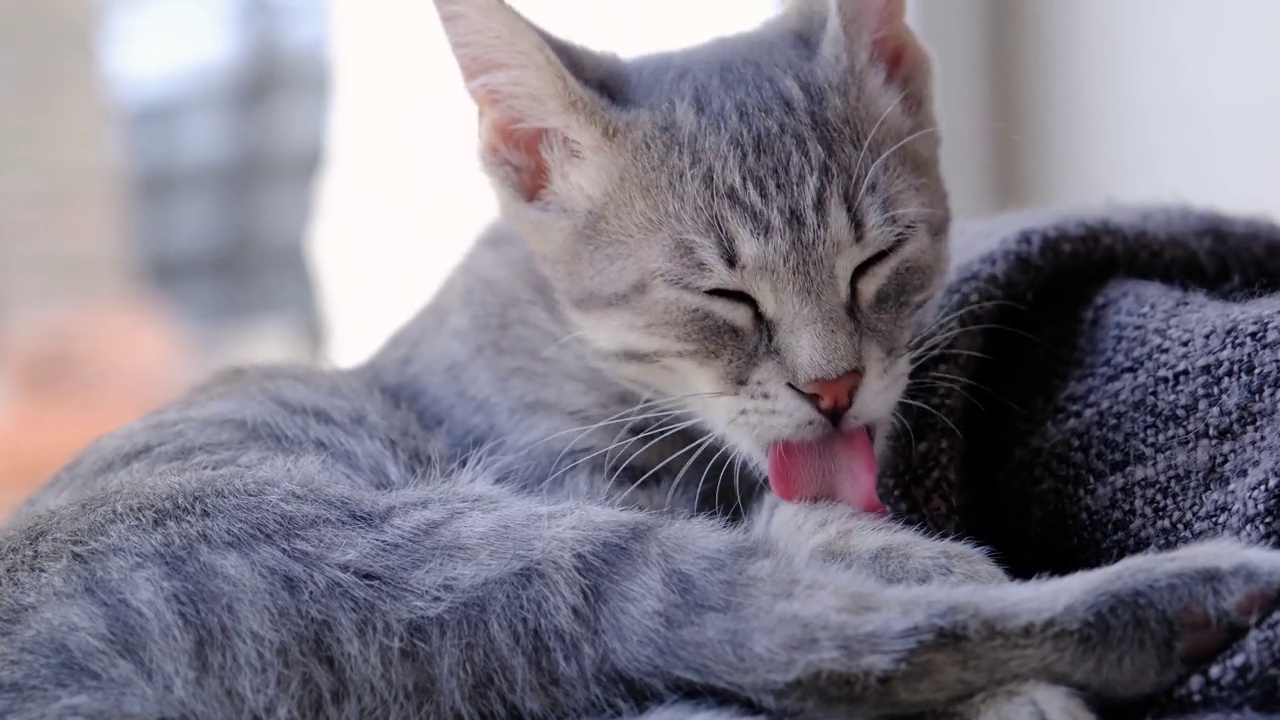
893,44
521,151
895,52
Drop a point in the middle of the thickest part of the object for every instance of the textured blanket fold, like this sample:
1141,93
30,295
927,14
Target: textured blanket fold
1103,385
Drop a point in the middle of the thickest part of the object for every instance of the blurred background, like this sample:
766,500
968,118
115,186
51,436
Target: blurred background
191,184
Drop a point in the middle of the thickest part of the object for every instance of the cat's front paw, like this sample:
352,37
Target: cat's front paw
840,535
1146,621
1024,701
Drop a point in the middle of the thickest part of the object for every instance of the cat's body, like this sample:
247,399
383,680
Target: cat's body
453,530
296,543
537,398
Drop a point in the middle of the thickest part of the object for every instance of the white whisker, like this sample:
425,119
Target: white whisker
939,415
900,420
697,493
857,168
960,312
949,386
737,484
956,332
910,211
602,451
614,478
659,466
629,421
701,445
866,180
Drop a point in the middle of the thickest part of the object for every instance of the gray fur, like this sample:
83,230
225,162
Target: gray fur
453,530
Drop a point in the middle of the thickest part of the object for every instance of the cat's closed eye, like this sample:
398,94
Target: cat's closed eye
738,298
871,263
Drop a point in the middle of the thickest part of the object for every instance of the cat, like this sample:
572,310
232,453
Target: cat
621,466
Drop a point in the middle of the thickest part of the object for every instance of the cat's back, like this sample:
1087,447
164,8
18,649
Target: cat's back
475,365
245,420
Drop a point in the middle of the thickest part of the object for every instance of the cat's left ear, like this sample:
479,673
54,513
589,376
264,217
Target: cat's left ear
875,34
544,120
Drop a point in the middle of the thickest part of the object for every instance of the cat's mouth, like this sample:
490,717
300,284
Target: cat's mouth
839,467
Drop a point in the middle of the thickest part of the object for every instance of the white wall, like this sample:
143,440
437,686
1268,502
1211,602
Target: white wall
960,35
1072,102
1145,100
401,196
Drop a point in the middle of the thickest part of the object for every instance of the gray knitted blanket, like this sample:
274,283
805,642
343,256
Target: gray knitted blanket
1103,385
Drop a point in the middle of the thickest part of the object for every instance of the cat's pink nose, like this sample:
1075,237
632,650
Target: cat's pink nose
833,397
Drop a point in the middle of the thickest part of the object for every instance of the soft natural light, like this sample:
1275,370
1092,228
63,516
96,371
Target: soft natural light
1027,120
401,197
150,46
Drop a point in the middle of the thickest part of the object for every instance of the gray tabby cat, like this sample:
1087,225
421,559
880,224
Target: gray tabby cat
547,497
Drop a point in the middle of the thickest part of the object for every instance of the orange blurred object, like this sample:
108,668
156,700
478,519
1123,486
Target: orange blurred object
68,377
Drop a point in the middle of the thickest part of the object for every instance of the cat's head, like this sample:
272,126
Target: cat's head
752,223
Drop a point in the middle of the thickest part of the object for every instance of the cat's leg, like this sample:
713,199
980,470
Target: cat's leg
833,533
268,592
1021,701
838,534
694,711
1064,627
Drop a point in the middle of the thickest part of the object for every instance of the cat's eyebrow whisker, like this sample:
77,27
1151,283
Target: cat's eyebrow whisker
910,211
939,415
866,180
871,136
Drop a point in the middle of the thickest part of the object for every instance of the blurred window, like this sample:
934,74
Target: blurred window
222,107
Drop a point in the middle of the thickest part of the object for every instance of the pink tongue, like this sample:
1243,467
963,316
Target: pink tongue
841,467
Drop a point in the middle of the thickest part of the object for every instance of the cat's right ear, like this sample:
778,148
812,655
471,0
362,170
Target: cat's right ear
539,122
870,33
